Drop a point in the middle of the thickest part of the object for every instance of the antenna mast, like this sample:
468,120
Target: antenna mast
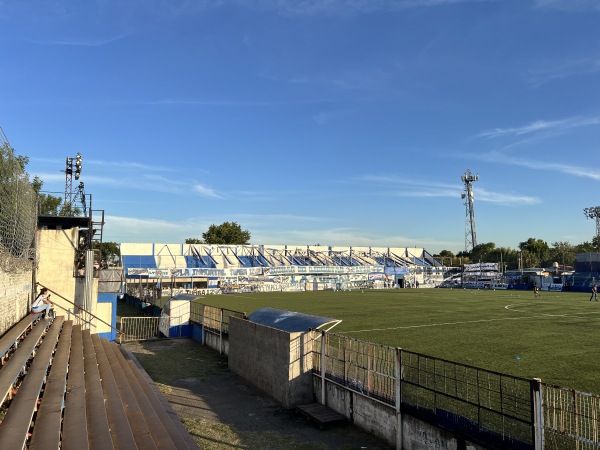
593,213
467,196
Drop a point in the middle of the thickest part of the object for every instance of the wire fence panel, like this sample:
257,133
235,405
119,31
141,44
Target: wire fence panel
488,405
464,396
139,328
211,317
571,418
18,215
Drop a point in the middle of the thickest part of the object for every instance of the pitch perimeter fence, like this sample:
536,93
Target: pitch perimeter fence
487,406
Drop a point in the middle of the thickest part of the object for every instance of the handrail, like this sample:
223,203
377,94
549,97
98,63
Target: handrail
120,333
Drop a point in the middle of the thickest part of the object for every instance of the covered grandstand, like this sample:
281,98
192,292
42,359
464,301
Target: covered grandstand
162,269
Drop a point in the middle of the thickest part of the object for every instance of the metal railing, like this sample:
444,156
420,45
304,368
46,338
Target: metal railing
571,418
139,328
80,315
487,405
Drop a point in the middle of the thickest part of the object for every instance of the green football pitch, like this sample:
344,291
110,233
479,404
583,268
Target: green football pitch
554,337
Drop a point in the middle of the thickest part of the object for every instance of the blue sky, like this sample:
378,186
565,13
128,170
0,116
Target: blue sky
338,122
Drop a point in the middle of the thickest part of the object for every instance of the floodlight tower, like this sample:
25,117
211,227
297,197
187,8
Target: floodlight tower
77,162
467,195
593,213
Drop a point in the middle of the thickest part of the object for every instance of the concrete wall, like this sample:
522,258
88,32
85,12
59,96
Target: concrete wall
379,419
56,252
275,361
211,340
15,298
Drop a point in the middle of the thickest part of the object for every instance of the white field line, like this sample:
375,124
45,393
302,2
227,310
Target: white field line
463,322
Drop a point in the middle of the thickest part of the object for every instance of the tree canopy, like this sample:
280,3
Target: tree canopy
228,233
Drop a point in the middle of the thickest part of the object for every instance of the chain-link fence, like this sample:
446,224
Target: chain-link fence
17,213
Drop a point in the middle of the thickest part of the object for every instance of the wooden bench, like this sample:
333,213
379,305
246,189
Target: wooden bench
169,419
97,420
17,421
120,428
79,391
12,337
18,360
75,434
47,431
160,434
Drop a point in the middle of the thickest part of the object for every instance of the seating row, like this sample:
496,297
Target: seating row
63,387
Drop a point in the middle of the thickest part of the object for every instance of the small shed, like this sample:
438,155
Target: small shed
175,316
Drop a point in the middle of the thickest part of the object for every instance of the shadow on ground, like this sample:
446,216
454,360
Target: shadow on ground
223,411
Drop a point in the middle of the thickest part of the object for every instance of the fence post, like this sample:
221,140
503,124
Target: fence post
202,325
537,413
399,377
221,333
323,348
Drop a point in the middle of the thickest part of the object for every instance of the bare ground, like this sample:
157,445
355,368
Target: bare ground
223,411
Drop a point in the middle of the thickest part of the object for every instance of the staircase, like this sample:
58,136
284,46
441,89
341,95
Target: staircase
62,387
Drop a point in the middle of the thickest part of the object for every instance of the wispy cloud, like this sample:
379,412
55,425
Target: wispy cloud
205,191
505,198
99,42
578,171
237,103
325,117
568,5
436,189
345,7
564,69
540,126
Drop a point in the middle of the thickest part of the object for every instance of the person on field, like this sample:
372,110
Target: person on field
536,290
594,293
42,304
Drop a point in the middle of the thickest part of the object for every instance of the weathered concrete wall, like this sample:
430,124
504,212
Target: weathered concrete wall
56,252
273,360
379,419
15,298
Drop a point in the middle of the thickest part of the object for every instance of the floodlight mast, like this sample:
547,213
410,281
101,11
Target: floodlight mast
467,195
77,162
593,213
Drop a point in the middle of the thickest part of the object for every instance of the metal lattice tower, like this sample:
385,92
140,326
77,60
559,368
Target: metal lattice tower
593,213
68,200
467,195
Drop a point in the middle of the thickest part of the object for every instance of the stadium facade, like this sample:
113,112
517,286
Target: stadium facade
203,269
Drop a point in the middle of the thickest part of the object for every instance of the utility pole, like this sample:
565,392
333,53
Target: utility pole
467,196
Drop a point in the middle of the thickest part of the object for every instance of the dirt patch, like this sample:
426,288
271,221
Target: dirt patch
223,411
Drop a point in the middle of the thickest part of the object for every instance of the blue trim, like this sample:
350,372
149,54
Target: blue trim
112,299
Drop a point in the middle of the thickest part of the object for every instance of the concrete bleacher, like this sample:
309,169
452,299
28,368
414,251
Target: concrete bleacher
62,387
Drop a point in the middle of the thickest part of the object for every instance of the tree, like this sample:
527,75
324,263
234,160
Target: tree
481,251
110,253
596,243
535,252
193,241
563,253
228,233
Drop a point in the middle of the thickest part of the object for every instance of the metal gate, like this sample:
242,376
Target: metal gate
139,328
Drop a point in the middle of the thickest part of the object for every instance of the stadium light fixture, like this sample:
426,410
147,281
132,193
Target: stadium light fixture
78,164
593,213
